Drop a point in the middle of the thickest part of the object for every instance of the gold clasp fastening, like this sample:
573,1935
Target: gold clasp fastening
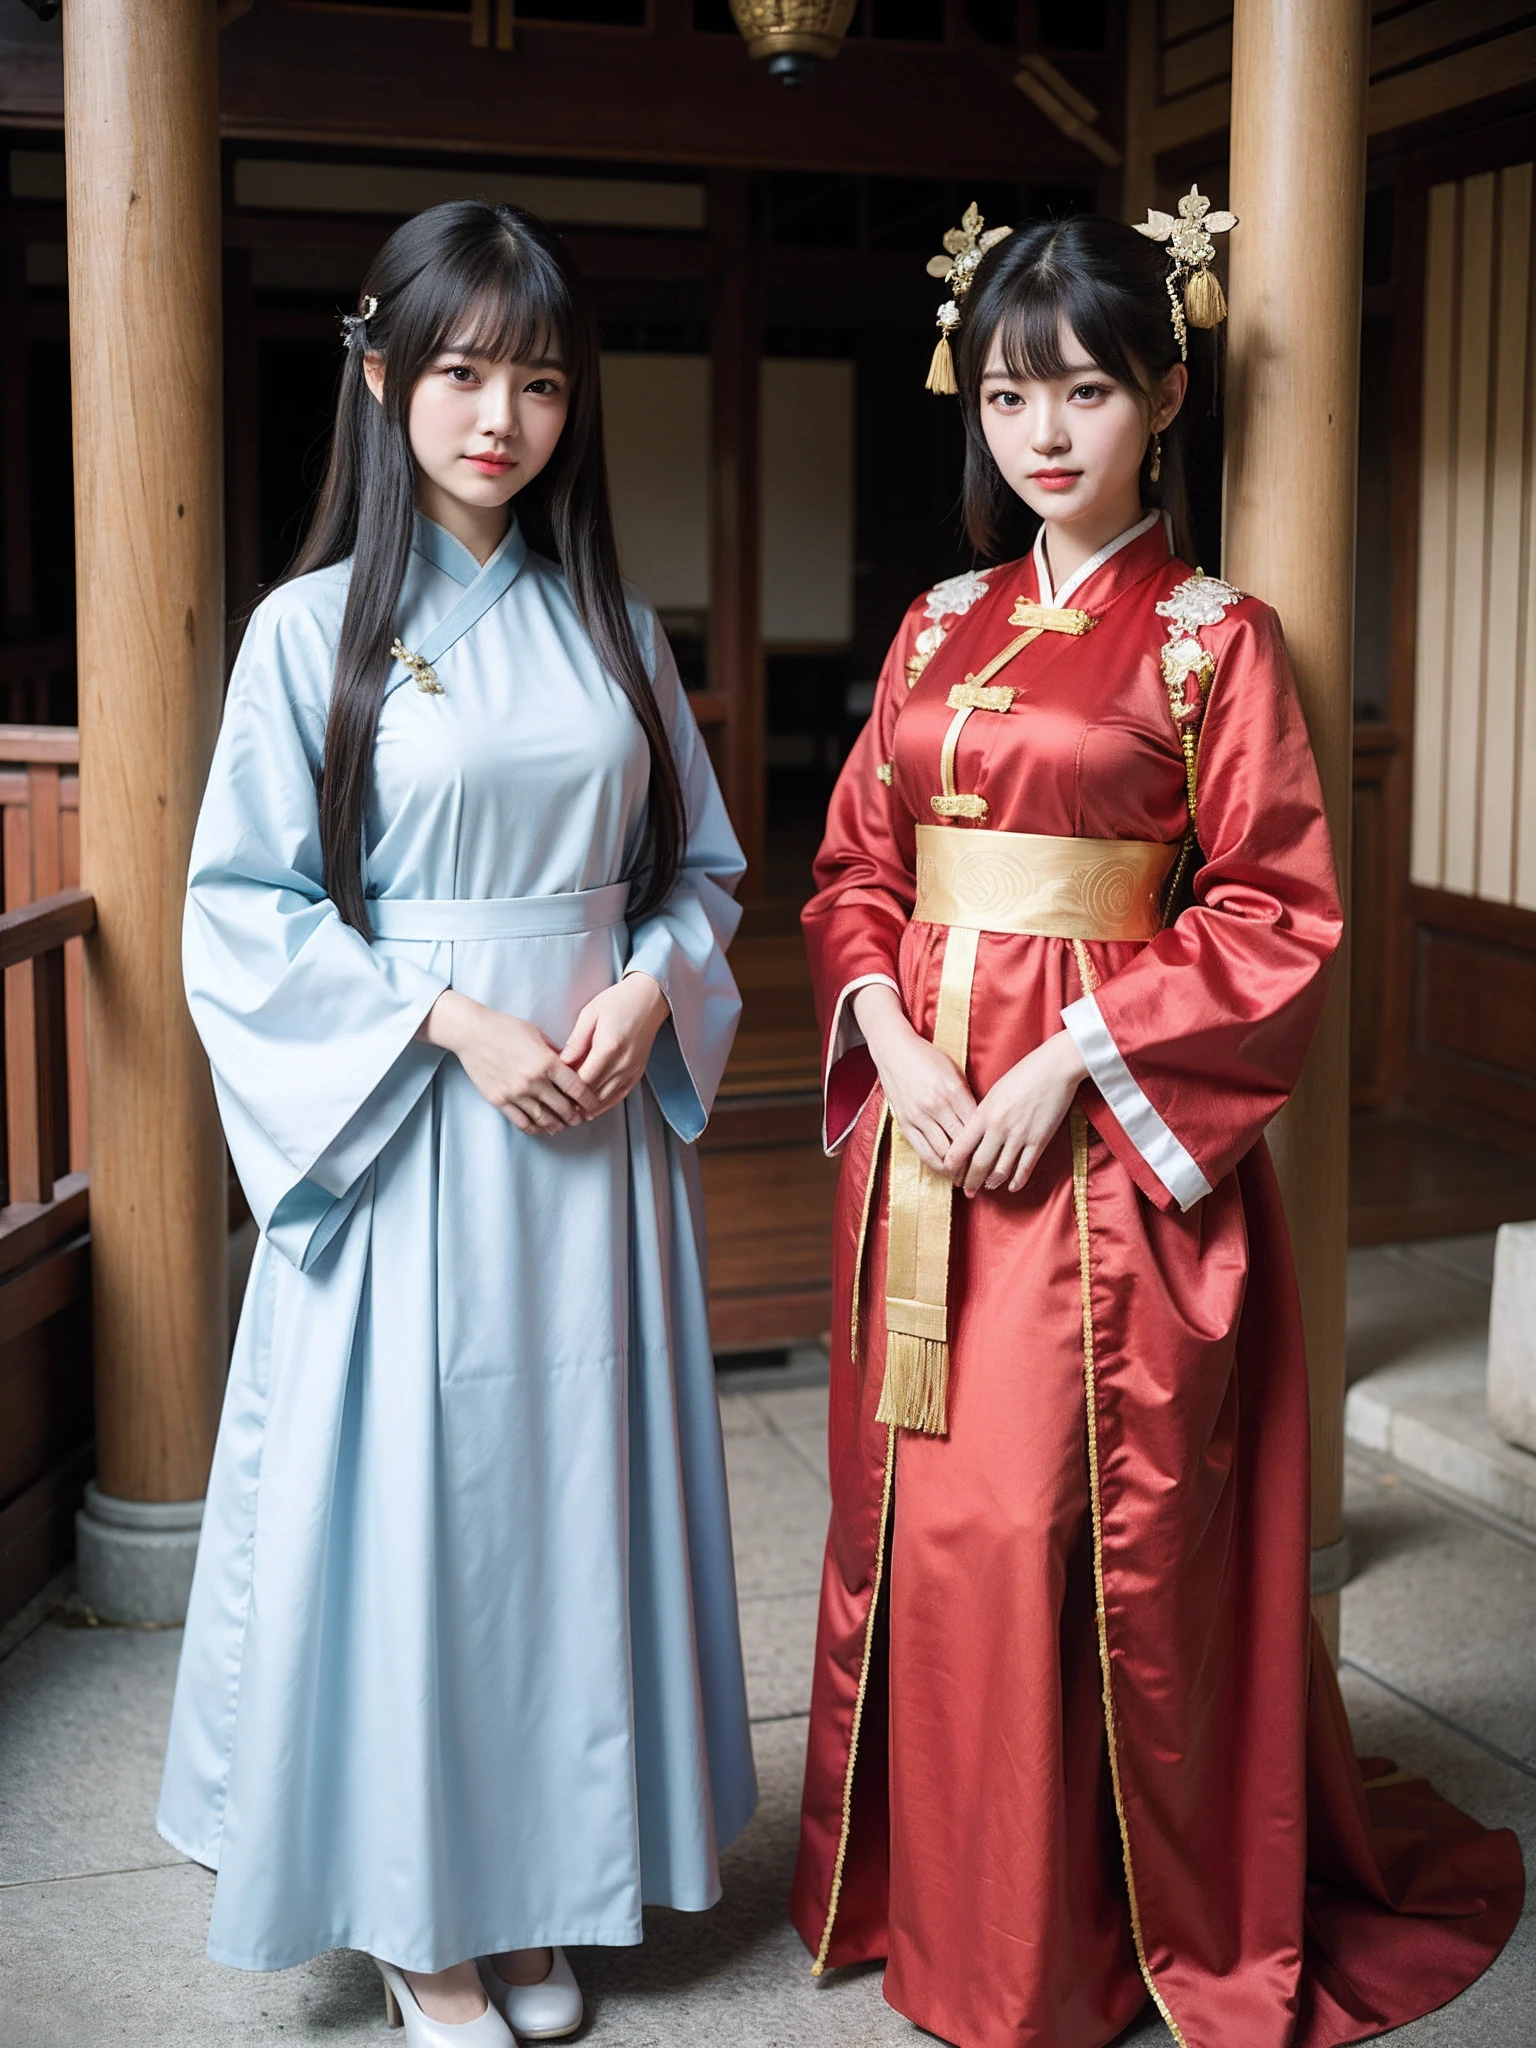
423,674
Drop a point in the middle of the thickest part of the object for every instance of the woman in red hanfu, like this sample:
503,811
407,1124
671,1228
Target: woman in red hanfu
1074,1742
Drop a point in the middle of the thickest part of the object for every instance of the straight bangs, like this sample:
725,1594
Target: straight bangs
1031,330
518,313
500,298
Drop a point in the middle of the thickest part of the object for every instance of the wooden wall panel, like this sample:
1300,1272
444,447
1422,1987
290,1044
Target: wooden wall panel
1473,1060
1507,540
1477,534
1435,530
1469,511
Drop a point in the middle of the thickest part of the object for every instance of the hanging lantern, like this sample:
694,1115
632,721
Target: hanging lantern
793,36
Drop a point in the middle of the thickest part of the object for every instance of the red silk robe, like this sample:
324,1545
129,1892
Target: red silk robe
1038,1819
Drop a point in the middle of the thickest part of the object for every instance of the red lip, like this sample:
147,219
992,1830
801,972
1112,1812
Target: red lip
1055,476
491,465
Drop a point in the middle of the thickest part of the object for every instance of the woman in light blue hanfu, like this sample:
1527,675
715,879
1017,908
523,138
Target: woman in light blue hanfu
462,1678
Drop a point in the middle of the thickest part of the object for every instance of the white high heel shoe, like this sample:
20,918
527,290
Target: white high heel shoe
400,2009
546,2011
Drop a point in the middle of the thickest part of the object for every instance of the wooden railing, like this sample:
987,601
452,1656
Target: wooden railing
40,856
38,1150
46,1453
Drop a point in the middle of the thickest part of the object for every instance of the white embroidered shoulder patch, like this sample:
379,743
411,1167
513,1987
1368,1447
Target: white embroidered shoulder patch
1188,667
951,599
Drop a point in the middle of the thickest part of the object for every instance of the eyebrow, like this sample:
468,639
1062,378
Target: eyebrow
1071,370
464,348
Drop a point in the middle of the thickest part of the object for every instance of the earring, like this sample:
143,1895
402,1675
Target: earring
1157,459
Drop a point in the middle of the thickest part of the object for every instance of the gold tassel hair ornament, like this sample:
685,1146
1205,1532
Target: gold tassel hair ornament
964,248
1194,293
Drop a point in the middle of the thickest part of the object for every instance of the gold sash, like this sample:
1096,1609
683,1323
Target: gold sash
974,882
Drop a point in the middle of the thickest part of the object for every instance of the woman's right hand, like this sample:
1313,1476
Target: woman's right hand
511,1062
929,1096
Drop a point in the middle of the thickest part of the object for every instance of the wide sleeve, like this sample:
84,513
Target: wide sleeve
1199,1039
682,945
310,1030
865,890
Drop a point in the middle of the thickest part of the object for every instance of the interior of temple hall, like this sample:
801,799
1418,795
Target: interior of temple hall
190,194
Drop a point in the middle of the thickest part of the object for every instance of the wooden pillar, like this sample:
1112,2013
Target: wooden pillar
1299,70
735,600
242,437
142,149
16,468
1138,186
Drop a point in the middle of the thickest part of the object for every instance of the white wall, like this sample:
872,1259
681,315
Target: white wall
656,427
807,456
656,418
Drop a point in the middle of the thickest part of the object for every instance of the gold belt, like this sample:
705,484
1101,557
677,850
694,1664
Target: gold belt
973,882
1026,882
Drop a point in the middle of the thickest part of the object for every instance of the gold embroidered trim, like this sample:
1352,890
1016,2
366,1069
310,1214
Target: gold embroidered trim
915,1391
970,696
1096,1512
883,773
835,1894
860,1241
959,806
1048,619
423,674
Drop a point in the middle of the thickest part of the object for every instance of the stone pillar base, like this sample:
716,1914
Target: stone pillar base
134,1558
1512,1337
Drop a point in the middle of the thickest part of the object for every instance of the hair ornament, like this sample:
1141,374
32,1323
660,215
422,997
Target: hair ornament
354,326
964,248
1192,289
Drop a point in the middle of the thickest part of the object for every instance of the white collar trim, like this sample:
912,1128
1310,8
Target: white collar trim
1057,598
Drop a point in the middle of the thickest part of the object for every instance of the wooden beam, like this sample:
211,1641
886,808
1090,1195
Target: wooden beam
1298,189
1456,81
735,601
15,466
142,147
1192,118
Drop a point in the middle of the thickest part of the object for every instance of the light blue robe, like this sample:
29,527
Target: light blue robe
462,1669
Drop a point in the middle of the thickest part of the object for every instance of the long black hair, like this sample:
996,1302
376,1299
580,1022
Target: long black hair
1108,285
495,281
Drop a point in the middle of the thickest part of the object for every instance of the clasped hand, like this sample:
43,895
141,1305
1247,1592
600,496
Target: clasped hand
537,1086
989,1144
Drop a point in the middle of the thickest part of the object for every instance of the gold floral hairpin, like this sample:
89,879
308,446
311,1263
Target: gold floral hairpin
1192,289
964,248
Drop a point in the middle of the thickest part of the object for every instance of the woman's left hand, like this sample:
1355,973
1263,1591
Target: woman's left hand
1017,1118
611,1040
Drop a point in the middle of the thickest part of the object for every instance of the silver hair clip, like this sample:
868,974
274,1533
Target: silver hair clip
354,326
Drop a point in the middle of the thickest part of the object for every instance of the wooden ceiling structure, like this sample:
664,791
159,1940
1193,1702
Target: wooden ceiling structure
391,78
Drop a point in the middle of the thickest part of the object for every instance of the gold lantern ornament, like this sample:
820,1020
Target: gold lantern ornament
793,36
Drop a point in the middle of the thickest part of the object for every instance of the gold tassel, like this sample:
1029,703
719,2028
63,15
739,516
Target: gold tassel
941,371
1204,300
916,1390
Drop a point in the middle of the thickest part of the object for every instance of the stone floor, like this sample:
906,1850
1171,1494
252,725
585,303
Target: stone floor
1419,1361
102,1926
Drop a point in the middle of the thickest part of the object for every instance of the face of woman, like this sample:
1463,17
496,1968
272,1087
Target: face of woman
1072,446
481,430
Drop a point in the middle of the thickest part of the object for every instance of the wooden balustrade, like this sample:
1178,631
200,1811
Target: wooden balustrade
46,1453
36,1053
40,856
